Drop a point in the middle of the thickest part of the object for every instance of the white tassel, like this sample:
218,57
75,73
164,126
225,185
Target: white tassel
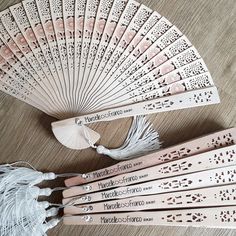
22,175
141,139
27,217
21,213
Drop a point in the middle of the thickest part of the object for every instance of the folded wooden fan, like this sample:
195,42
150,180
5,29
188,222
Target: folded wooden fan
99,61
189,184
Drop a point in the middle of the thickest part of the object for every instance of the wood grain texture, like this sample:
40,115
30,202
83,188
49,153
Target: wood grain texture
26,134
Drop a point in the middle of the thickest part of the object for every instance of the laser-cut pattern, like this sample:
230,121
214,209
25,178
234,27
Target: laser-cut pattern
85,56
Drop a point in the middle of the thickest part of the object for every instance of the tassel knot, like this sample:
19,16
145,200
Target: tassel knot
45,192
102,150
44,204
52,212
49,176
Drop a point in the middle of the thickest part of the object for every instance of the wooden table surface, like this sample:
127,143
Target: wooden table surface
26,133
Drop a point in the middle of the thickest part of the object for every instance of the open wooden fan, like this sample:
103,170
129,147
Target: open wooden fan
98,61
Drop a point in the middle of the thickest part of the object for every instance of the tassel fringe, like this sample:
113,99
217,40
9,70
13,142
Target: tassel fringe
21,213
141,139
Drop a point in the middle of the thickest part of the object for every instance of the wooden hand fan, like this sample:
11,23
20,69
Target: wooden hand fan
98,61
189,184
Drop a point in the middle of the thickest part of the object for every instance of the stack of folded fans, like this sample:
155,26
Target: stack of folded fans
190,184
